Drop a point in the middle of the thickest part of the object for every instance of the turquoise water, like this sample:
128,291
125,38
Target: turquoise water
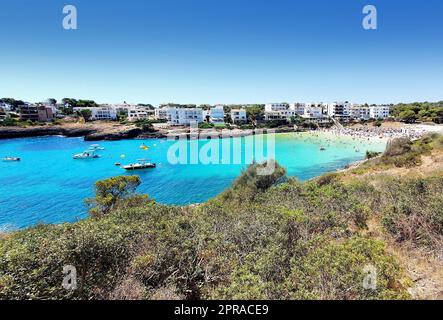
48,185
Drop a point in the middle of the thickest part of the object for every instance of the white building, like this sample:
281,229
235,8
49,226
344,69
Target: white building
238,115
278,111
313,113
282,115
161,113
379,112
184,116
298,108
135,114
359,112
101,113
3,113
215,115
5,106
271,107
339,110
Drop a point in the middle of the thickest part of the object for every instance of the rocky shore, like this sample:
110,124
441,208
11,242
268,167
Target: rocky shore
111,131
90,132
18,132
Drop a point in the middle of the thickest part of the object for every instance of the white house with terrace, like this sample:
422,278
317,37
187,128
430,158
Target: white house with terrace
101,113
278,111
238,116
215,115
184,116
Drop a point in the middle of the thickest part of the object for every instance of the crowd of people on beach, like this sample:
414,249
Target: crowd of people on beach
381,132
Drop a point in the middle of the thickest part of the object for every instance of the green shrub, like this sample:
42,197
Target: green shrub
338,271
110,191
260,177
372,154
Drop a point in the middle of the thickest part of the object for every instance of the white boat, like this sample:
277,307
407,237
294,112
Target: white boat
96,147
88,154
11,159
141,164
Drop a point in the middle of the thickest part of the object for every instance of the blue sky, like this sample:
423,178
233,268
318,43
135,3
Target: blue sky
222,51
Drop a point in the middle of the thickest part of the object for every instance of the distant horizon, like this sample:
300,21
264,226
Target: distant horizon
230,52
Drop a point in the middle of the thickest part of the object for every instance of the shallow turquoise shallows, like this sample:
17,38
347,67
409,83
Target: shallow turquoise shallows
49,186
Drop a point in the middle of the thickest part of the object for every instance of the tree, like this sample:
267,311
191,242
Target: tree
296,120
110,191
255,112
14,103
147,105
86,114
52,101
228,118
408,116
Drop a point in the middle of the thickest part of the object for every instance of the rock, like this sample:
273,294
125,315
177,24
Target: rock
10,132
129,134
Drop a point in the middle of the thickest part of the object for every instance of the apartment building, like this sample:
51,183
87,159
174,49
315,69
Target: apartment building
184,116
340,110
273,107
359,112
379,112
105,112
28,112
161,113
298,108
135,114
313,112
282,115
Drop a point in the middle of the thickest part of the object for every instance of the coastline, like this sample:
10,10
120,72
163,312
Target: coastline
112,132
108,131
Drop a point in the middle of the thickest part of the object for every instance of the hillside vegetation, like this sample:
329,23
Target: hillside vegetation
267,237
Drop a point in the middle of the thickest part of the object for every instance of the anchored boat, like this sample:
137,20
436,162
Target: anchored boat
88,154
11,159
96,147
141,164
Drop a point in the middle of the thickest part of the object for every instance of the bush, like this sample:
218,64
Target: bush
413,210
338,271
205,125
110,192
258,177
372,154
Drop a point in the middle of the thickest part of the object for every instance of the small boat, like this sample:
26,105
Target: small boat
11,159
141,164
96,147
322,149
117,164
88,154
